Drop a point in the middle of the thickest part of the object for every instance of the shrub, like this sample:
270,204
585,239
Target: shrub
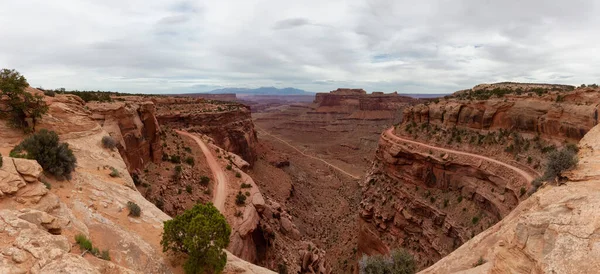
238,214
109,142
136,178
398,262
238,175
134,209
21,104
105,255
188,189
0,159
190,161
479,262
202,233
522,191
229,167
247,193
160,203
559,161
83,242
244,185
475,220
240,199
48,185
175,159
50,93
204,180
114,172
54,157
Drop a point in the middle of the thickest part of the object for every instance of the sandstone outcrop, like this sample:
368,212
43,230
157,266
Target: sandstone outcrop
38,225
357,104
553,231
430,201
229,124
556,114
134,127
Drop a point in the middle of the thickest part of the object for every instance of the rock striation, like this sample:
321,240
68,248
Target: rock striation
38,223
229,124
553,231
555,114
134,127
430,201
357,104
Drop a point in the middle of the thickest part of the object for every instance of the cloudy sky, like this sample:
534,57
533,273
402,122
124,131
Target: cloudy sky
153,46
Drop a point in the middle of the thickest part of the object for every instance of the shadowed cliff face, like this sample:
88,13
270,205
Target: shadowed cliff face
430,201
134,127
230,125
553,231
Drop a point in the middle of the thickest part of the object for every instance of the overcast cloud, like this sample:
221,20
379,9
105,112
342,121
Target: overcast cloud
153,46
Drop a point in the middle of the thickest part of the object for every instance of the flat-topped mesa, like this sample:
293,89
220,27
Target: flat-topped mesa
357,104
349,91
524,86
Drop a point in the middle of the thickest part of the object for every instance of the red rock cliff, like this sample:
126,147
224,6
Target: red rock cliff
359,105
561,115
430,201
134,127
229,124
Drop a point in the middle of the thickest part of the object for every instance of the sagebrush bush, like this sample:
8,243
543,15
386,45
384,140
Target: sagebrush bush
109,142
398,262
204,180
0,159
54,157
134,209
240,199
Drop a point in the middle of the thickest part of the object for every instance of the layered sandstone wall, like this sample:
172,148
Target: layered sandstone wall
553,231
134,127
558,115
430,201
231,128
356,104
38,223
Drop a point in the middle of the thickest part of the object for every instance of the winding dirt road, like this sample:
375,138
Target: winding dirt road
390,133
218,174
307,155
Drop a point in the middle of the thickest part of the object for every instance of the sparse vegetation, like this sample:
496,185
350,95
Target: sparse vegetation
114,172
479,262
86,245
134,209
202,233
109,142
188,189
0,159
244,185
398,262
228,167
54,157
190,161
238,175
204,180
240,199
21,105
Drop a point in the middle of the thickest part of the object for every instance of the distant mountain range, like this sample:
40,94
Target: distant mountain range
263,91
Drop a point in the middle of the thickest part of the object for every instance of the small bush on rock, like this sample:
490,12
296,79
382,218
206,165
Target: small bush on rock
240,199
204,180
54,157
134,209
109,142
